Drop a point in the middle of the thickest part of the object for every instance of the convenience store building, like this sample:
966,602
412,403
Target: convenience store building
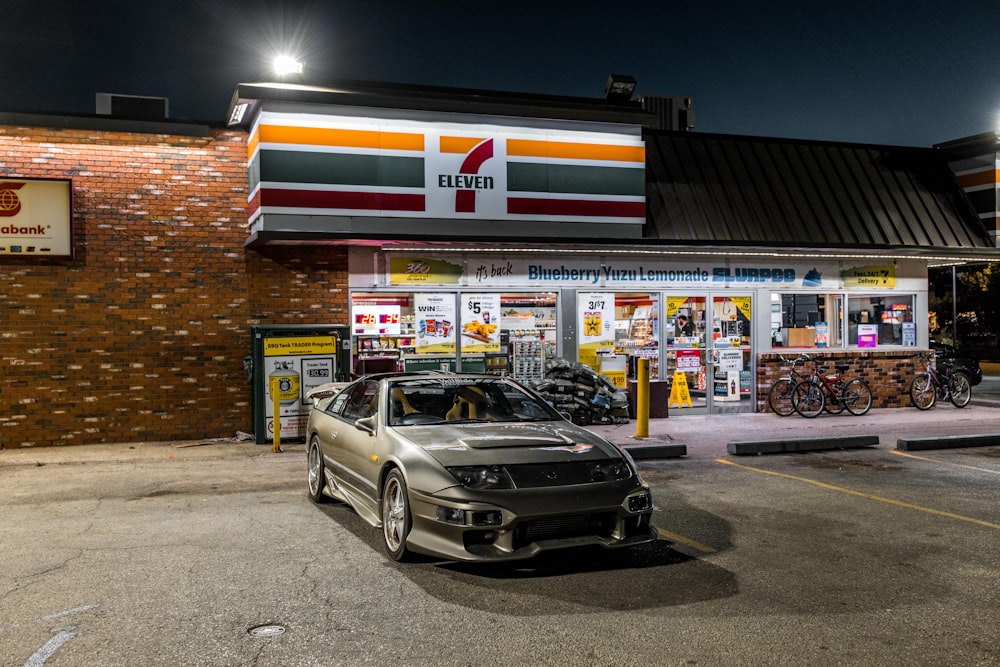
494,233
457,229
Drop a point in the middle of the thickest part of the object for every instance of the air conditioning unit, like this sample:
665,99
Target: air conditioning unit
675,113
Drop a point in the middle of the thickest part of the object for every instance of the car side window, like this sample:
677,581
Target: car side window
362,402
337,404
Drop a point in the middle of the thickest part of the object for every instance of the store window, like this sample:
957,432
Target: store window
822,321
509,333
807,320
505,334
637,331
878,320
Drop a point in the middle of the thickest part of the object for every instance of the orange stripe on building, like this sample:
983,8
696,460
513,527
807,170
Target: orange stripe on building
979,178
574,151
320,136
459,145
252,143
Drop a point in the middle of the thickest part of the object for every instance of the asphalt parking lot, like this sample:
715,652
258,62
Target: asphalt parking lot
173,553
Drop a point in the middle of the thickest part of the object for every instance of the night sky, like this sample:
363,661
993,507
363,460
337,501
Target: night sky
886,72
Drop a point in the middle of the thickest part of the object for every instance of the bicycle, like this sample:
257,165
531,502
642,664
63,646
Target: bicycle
935,383
779,396
831,392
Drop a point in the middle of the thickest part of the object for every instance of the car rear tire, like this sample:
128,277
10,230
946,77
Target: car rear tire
316,480
396,521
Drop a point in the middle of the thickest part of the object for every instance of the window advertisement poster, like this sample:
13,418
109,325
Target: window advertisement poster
909,334
867,335
822,334
689,361
731,360
480,323
435,320
596,315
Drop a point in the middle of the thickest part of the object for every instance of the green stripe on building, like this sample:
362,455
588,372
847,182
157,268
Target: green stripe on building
340,169
575,179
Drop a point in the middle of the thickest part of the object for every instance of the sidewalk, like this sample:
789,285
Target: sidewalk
709,435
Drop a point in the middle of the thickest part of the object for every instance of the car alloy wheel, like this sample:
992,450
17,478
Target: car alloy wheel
316,475
395,515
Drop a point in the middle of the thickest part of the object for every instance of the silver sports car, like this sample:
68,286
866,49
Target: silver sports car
471,468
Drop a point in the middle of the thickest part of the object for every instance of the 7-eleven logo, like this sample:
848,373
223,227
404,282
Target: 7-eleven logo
468,181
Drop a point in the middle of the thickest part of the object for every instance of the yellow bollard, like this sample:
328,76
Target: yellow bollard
642,399
275,394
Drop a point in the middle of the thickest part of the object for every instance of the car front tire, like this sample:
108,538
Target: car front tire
396,521
316,480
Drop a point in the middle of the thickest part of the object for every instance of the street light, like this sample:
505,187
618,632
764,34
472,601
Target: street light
286,66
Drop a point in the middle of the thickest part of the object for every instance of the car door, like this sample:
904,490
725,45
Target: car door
352,447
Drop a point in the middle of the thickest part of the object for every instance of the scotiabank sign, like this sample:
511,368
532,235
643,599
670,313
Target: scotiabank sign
345,166
36,218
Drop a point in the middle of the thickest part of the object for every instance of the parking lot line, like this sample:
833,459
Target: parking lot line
944,463
674,537
862,494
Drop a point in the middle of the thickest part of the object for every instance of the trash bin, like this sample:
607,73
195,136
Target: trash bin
659,398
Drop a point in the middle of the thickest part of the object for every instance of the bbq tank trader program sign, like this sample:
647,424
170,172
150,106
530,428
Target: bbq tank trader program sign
36,218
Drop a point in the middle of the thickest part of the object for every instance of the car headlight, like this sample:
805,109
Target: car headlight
608,471
482,477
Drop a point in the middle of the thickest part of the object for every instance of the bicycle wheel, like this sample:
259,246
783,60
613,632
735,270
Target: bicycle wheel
922,393
857,396
835,402
780,397
959,390
808,398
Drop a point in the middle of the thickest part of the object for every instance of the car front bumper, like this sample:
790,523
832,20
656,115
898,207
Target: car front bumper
520,524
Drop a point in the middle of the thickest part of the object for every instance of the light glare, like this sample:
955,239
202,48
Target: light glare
285,65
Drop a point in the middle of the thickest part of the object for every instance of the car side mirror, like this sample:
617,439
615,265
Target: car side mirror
366,424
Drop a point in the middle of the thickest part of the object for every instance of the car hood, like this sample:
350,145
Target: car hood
514,442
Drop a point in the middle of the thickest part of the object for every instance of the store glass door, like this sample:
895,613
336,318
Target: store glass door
730,373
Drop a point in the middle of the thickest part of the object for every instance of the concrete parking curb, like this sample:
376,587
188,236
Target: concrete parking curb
948,442
801,444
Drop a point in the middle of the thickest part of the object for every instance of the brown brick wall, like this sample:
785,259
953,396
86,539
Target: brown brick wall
141,336
887,373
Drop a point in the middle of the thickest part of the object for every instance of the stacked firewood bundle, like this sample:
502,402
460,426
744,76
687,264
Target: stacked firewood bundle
577,390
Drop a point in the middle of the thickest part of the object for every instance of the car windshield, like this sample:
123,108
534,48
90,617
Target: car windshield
463,400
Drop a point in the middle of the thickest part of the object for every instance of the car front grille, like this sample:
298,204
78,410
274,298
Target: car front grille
561,527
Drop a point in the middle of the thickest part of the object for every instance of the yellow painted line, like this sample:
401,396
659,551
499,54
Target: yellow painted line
944,463
861,494
674,537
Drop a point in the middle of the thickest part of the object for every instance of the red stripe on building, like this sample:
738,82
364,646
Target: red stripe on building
576,207
371,201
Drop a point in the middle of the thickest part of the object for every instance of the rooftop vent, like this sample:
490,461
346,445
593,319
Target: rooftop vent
675,113
134,107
